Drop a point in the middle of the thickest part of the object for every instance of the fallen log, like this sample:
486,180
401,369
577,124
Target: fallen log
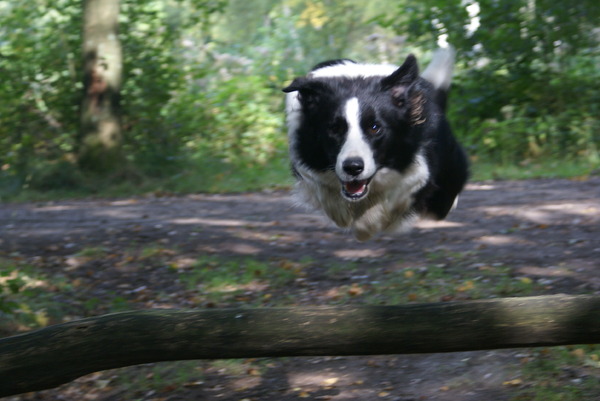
57,354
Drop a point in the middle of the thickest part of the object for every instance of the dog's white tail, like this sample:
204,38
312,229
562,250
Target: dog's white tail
439,71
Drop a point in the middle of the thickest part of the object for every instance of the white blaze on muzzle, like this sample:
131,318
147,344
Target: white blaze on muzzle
355,164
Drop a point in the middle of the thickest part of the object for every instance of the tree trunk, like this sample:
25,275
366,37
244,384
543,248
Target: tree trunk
100,132
61,353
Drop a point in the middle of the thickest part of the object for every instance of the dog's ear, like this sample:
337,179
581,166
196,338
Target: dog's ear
405,95
309,90
399,82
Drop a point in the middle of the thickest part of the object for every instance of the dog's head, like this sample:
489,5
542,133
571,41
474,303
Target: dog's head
351,120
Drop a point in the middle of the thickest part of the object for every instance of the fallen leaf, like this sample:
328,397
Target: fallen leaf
512,383
287,264
355,290
170,388
333,293
581,178
578,353
330,381
468,285
194,384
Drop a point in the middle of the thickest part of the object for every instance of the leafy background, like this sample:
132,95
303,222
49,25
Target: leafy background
203,112
202,83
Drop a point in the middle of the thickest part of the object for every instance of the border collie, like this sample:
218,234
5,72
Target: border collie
370,145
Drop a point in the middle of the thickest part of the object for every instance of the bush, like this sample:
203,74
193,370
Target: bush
545,111
243,118
518,137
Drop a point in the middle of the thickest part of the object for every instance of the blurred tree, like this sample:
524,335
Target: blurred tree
100,137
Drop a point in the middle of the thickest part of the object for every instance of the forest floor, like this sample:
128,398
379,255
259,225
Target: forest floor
506,238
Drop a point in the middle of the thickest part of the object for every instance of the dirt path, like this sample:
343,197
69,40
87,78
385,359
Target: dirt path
546,230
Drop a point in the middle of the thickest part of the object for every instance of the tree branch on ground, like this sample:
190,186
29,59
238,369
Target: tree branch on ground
58,354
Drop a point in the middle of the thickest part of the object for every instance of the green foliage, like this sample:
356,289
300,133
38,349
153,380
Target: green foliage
560,374
10,284
528,169
569,135
153,36
547,114
226,125
527,71
218,279
26,297
435,282
202,79
40,77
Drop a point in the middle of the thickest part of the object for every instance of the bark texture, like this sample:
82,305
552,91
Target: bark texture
101,137
58,354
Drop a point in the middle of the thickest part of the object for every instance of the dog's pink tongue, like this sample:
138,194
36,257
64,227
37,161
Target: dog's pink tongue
355,187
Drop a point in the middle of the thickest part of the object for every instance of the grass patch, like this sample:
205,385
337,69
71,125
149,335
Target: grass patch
200,175
440,282
243,280
28,297
482,170
171,378
95,252
216,176
157,377
561,374
445,276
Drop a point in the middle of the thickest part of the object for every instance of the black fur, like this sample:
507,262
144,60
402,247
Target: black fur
402,122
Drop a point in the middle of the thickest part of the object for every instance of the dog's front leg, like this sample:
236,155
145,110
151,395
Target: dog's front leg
371,221
339,212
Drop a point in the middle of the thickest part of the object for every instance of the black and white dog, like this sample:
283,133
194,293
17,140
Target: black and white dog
370,144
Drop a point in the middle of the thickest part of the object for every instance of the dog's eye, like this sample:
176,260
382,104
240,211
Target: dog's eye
338,127
374,129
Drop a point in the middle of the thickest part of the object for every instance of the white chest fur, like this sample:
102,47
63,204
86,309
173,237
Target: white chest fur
388,206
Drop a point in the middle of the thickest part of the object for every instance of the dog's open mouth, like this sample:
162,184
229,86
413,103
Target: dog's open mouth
355,190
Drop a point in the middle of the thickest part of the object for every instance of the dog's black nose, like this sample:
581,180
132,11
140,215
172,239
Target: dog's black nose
353,166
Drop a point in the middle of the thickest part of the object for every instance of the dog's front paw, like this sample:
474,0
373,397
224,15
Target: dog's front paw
362,235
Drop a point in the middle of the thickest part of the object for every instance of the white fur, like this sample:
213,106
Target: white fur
293,111
355,145
387,207
439,71
352,70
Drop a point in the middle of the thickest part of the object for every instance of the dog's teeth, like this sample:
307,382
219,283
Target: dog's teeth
355,187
